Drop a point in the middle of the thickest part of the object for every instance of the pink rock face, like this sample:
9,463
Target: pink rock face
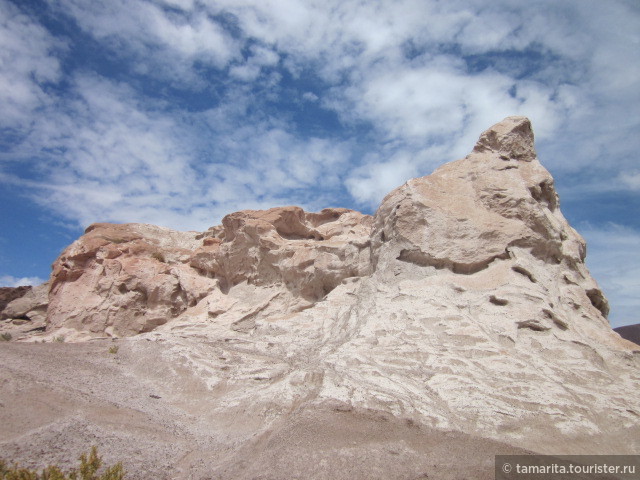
129,279
309,253
123,279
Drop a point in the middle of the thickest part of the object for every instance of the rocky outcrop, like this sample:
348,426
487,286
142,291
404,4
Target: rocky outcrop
124,279
463,304
25,314
31,306
308,253
128,279
9,294
496,208
495,214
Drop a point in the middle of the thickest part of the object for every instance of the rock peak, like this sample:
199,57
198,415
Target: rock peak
512,138
463,304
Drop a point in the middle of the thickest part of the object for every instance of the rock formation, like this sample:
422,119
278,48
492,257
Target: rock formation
24,311
31,306
463,304
493,216
128,279
9,294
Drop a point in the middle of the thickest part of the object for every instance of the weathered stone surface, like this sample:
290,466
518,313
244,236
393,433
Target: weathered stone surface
128,279
308,253
124,279
463,305
31,306
9,294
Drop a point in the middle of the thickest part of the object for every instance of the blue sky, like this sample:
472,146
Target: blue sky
177,112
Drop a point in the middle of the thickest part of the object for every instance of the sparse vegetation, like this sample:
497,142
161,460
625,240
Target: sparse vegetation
114,349
159,257
88,470
59,339
6,336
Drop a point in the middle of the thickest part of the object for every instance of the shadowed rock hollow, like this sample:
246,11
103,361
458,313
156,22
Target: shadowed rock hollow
463,305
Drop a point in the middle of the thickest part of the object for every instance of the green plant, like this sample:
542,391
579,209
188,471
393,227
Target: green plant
59,338
88,470
114,349
6,336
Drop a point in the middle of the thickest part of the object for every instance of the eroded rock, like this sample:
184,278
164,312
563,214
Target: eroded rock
129,279
9,294
463,304
31,306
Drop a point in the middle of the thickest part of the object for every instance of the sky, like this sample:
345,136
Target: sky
177,112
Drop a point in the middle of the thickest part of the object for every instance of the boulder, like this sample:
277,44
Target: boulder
30,306
9,294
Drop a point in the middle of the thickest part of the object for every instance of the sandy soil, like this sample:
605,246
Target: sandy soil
58,399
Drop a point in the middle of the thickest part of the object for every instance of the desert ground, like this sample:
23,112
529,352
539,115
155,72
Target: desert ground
58,399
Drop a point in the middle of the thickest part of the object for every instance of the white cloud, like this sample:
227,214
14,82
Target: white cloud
310,97
372,181
631,179
116,156
419,100
588,51
181,4
259,58
10,281
264,56
163,43
193,38
267,162
27,61
108,154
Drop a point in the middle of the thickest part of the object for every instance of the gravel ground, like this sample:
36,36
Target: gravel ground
59,399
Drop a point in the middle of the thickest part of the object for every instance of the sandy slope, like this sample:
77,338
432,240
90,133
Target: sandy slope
57,399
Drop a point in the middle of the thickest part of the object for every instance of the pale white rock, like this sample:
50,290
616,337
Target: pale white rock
464,304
